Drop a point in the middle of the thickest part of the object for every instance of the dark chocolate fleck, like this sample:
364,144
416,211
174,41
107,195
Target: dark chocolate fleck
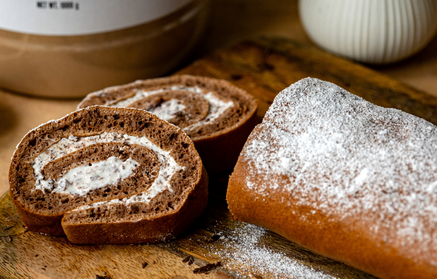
213,238
236,76
106,276
144,264
207,268
9,227
189,260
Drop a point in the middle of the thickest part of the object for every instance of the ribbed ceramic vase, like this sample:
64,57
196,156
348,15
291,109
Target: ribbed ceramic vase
370,31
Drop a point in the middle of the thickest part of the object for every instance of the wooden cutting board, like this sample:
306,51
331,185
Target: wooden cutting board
215,246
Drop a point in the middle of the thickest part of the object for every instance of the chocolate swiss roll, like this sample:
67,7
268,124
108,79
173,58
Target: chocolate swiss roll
215,114
344,178
108,175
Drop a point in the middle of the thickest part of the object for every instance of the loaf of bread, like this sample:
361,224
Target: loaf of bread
215,114
108,175
343,177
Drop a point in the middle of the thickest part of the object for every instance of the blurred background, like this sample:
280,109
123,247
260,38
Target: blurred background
232,20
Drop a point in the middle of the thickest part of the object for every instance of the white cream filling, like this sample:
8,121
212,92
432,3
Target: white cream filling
83,179
143,94
216,108
168,109
216,105
68,145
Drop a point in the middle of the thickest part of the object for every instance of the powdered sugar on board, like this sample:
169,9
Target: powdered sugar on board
344,156
243,247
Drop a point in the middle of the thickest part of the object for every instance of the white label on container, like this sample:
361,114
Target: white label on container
81,17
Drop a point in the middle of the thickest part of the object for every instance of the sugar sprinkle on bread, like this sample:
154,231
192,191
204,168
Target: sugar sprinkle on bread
344,178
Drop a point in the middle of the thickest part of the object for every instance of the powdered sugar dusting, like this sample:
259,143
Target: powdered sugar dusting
244,248
344,156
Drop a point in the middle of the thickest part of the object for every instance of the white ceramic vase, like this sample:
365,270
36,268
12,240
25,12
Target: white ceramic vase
370,31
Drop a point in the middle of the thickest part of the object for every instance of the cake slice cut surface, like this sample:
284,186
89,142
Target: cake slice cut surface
108,175
215,114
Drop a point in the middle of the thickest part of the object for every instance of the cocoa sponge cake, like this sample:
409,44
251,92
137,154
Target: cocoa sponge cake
215,114
108,175
343,177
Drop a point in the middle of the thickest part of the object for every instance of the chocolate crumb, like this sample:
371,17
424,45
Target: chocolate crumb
213,238
9,227
10,238
189,260
207,268
144,264
106,276
236,76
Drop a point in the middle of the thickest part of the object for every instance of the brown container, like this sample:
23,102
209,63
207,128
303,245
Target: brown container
66,66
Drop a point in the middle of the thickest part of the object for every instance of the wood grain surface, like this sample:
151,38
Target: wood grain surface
219,246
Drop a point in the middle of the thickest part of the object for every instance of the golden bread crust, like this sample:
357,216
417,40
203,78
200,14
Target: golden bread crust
344,178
